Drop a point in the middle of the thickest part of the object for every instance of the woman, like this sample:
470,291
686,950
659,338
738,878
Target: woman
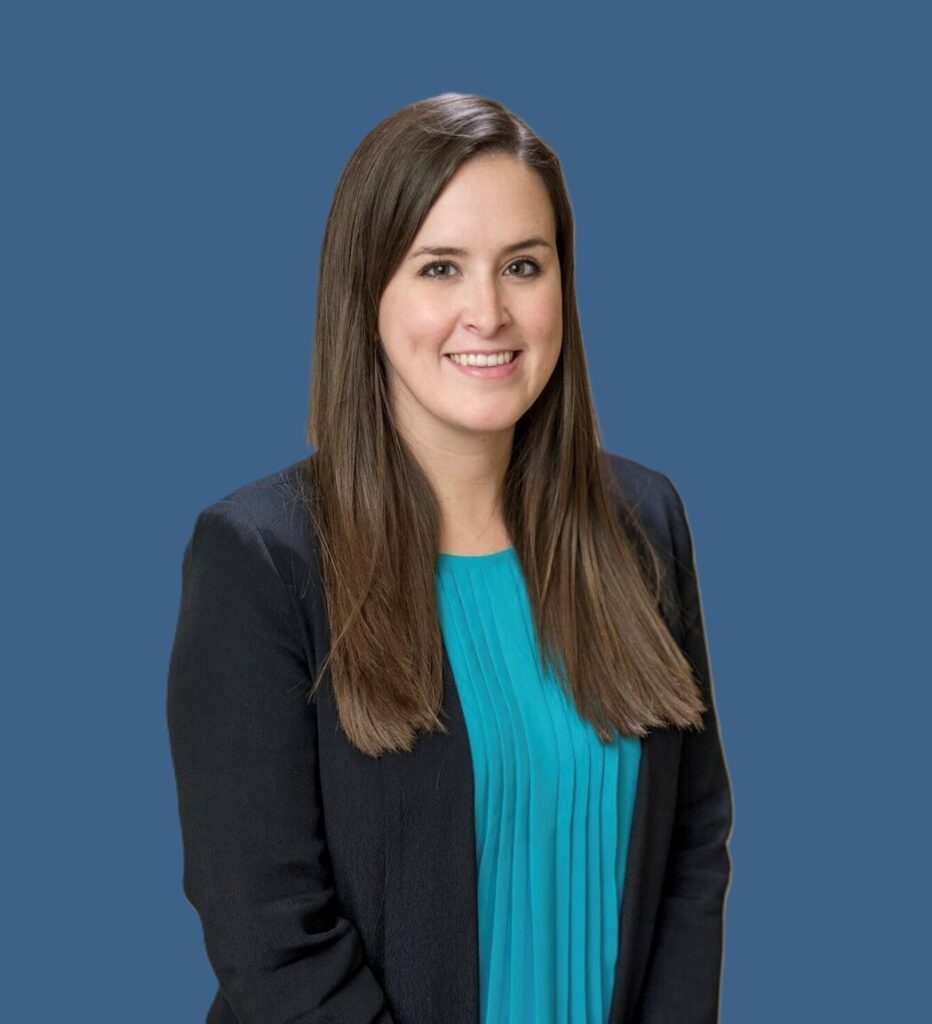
439,699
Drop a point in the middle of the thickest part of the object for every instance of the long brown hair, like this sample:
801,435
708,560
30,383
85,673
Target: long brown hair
594,582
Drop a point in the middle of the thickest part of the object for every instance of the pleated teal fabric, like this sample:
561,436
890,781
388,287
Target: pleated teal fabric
553,807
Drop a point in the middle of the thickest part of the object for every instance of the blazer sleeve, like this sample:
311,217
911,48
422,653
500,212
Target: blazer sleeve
683,979
243,746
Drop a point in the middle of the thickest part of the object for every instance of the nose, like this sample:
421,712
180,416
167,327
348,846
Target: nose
485,309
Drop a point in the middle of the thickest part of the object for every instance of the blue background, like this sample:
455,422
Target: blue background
751,189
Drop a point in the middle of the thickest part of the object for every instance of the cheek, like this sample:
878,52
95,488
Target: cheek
414,319
544,319
428,327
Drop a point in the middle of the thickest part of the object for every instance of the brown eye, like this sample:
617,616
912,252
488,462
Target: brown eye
432,266
531,263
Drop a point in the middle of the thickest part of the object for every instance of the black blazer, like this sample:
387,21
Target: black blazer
335,887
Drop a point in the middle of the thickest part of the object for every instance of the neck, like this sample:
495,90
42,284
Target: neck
467,478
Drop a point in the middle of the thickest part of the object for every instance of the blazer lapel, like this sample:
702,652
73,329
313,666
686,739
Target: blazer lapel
650,836
431,915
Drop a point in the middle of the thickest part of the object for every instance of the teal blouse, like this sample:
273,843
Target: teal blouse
553,806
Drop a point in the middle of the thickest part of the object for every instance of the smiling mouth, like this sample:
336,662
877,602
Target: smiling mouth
482,358
478,366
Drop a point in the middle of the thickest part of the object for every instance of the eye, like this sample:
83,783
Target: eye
434,266
535,267
426,271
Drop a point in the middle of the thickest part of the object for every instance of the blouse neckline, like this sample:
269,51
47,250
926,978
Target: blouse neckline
451,561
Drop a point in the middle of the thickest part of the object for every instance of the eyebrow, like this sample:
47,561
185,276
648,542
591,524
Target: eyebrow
450,250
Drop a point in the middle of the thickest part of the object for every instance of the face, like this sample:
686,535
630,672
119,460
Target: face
490,296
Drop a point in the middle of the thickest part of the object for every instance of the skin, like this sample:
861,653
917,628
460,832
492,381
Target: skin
461,428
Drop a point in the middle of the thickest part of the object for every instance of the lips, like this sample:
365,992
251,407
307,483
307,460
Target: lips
489,355
497,371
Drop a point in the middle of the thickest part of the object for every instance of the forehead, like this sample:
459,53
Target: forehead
490,201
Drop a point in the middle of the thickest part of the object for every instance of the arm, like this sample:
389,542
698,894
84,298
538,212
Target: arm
684,972
243,744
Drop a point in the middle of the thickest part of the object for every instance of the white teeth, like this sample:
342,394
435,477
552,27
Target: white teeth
471,359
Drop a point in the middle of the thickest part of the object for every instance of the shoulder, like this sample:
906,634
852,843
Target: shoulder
649,494
268,513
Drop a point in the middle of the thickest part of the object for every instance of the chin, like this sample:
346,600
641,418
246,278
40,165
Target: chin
485,427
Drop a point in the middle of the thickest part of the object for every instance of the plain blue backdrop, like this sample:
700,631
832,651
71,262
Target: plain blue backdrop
751,190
